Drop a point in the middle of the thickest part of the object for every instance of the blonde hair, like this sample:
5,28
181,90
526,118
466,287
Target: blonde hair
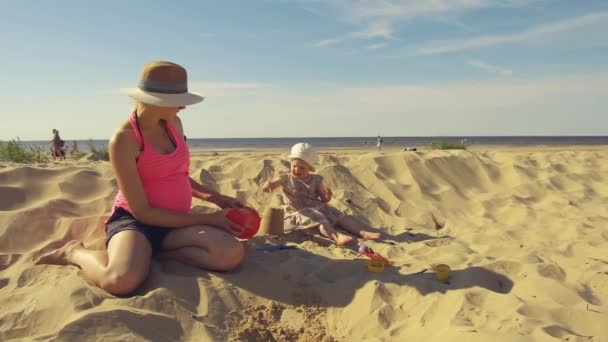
134,108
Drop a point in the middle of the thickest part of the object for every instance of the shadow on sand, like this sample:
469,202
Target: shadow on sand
299,277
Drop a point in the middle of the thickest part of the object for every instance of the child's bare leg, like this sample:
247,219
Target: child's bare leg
353,226
329,232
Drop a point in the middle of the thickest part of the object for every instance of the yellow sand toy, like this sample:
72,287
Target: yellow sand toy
442,271
376,262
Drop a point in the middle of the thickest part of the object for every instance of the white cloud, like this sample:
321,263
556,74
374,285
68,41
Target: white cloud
377,18
217,89
558,105
406,9
328,42
376,46
375,30
574,105
535,32
493,69
454,97
378,30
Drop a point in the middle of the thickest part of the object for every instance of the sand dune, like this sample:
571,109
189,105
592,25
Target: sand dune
525,231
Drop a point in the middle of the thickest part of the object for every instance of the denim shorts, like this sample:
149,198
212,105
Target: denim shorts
122,220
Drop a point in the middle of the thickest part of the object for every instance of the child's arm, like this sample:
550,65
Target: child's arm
269,186
325,193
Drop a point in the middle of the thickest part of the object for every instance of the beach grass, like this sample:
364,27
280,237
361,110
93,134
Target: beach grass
446,144
77,156
101,153
15,150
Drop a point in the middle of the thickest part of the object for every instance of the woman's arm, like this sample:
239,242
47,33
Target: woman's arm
124,150
201,192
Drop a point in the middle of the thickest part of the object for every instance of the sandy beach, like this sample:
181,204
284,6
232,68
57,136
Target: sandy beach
525,231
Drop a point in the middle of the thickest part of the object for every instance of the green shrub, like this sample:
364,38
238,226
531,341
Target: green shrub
446,144
14,150
77,156
101,153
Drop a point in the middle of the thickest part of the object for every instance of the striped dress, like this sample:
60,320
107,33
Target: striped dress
303,205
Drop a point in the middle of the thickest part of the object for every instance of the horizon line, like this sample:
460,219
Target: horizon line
361,136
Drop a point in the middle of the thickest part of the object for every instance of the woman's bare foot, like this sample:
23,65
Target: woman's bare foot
369,235
61,255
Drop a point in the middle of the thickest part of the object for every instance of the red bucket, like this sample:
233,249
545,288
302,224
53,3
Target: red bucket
248,218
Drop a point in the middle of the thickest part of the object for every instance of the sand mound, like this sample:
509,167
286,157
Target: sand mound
525,232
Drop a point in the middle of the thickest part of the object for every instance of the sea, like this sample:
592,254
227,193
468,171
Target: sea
239,144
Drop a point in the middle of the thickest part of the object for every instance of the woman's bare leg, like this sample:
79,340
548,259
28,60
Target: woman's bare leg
119,271
329,232
353,226
204,247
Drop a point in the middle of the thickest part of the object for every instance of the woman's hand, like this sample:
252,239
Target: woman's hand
225,202
219,219
325,194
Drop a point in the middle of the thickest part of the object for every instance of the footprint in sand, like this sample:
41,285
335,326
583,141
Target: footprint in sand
7,260
551,271
439,242
215,168
471,311
30,275
84,298
563,333
159,327
586,293
12,198
508,268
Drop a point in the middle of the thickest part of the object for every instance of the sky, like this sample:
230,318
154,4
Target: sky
311,68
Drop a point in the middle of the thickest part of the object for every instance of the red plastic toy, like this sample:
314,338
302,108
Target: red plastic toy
246,217
368,252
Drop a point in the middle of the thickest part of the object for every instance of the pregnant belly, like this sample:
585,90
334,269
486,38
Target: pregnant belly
174,194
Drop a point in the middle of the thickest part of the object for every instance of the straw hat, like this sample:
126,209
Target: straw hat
305,152
163,84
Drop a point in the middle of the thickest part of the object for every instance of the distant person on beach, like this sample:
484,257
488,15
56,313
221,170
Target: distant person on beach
151,214
379,144
74,147
57,146
306,200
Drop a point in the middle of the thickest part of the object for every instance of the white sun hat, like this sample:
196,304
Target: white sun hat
305,152
163,84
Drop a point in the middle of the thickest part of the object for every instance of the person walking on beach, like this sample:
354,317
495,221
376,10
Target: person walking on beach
74,147
57,146
306,200
151,212
379,144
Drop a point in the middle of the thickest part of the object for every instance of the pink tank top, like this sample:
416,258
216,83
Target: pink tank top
165,177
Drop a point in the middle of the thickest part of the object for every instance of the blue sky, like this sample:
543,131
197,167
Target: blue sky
281,68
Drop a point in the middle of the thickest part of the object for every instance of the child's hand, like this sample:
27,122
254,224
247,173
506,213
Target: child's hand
325,194
266,187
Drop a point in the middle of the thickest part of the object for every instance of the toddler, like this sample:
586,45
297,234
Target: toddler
306,199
